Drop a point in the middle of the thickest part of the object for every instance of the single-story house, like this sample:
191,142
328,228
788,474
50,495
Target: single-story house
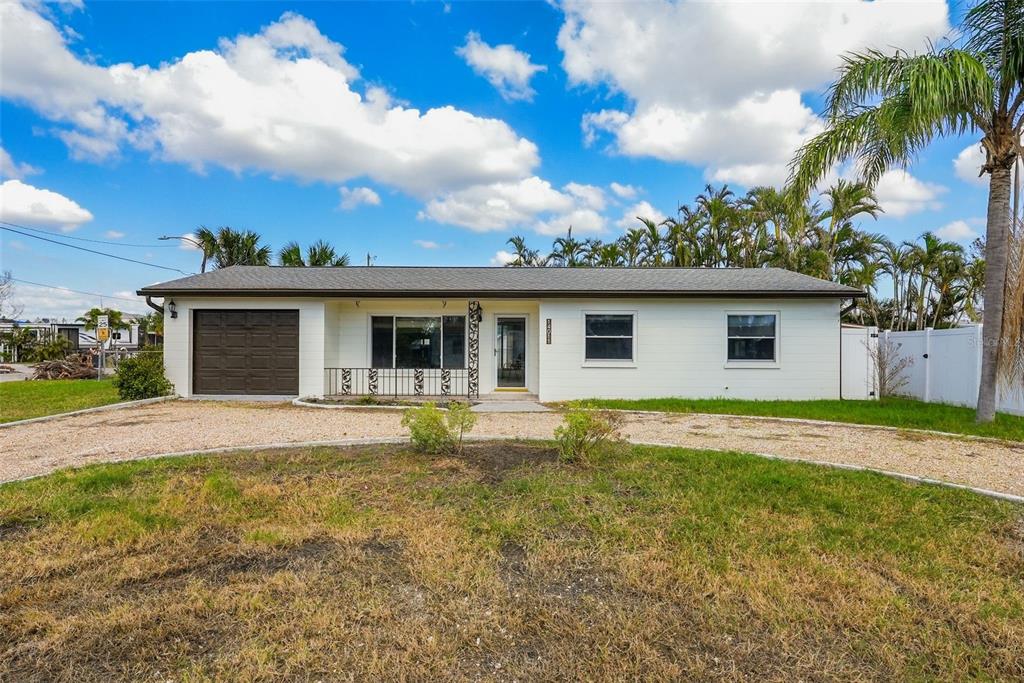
557,333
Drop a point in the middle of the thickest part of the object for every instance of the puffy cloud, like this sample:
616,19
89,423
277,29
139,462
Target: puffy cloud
531,203
59,303
630,217
901,194
24,204
355,196
10,169
967,165
281,101
624,191
957,231
583,221
719,84
188,242
502,258
504,67
590,195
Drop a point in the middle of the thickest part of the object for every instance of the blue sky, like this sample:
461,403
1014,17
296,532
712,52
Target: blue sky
448,127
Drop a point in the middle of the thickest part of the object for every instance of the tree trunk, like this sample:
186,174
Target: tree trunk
996,235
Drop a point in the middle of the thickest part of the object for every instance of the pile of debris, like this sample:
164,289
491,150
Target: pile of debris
76,366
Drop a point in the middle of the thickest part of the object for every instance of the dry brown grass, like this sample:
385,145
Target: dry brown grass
376,563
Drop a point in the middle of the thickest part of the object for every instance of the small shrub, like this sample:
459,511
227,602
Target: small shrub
142,376
461,421
432,431
54,348
583,432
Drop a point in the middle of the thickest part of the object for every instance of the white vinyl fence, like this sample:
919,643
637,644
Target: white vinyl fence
945,367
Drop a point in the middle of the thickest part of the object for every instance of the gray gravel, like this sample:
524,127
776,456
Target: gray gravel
39,448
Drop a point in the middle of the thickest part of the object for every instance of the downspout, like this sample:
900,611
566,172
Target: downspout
156,307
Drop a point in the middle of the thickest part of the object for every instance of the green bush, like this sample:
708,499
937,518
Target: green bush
583,432
432,431
142,376
54,348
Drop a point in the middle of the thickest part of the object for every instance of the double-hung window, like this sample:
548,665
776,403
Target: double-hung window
609,336
753,337
418,341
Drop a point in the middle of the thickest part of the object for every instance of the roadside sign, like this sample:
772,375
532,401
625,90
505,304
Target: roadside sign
102,328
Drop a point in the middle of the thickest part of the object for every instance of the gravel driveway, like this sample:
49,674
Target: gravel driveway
191,425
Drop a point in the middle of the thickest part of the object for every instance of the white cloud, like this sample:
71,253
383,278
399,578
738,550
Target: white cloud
901,194
504,67
624,191
719,84
967,165
426,244
58,303
353,197
630,217
113,234
282,101
531,203
502,258
10,169
27,205
591,196
957,231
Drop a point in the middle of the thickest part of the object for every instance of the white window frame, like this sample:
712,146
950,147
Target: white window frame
609,362
767,364
394,337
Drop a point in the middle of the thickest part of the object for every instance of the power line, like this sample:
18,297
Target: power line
74,291
93,251
87,239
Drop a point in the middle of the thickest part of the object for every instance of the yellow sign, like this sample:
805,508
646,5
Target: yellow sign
103,334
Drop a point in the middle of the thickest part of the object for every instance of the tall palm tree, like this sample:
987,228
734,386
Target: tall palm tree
524,256
652,246
631,245
847,200
318,254
567,251
207,242
884,108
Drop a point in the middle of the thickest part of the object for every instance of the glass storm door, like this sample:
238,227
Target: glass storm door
510,350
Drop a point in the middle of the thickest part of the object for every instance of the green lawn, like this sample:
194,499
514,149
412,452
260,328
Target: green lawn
380,563
892,412
22,400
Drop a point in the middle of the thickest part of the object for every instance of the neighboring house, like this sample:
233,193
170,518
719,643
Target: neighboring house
126,338
559,333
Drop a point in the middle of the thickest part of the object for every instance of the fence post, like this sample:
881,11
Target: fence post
978,340
927,365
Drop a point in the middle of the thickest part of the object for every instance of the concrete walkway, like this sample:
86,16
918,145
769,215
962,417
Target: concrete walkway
34,449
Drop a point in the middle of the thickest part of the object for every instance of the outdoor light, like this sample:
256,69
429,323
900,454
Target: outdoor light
173,308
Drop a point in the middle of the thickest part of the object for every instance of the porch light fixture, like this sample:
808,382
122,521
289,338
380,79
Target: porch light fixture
173,308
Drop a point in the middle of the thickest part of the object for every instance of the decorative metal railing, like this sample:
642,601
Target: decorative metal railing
397,382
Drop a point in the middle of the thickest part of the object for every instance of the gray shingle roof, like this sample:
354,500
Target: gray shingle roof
412,281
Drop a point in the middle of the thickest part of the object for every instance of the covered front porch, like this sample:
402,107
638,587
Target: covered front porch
428,348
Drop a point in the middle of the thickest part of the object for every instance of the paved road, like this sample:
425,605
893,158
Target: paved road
38,448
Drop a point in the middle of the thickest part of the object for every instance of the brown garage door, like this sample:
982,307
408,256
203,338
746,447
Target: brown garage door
245,352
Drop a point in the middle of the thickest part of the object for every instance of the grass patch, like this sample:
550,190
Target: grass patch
377,562
36,398
890,412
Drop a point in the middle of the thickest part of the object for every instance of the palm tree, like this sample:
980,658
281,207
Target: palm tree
567,251
883,109
847,200
631,245
319,254
91,318
652,247
206,240
524,256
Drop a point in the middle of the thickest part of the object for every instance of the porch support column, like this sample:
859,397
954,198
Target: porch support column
473,319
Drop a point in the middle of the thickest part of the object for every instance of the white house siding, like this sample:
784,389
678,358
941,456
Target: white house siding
348,330
681,351
178,337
